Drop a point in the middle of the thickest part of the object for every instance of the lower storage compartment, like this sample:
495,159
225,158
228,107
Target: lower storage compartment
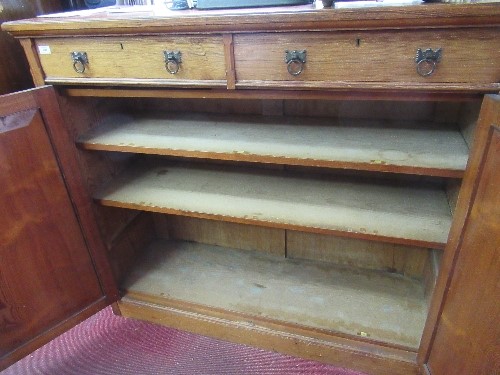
255,286
323,297
351,302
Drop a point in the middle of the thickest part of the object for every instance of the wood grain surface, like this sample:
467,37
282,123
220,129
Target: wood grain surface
264,19
202,58
399,259
221,233
466,238
367,56
470,314
46,271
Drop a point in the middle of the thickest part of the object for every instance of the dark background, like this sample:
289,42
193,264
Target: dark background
14,70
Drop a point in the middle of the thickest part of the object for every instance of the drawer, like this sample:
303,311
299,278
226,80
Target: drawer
369,59
139,61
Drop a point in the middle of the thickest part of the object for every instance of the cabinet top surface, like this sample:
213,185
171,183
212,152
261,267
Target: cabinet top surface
161,20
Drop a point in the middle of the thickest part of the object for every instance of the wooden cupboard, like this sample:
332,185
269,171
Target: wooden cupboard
301,180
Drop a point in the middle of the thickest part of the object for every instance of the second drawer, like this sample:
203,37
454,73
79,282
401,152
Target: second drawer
368,59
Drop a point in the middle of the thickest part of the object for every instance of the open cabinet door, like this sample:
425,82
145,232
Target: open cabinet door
466,338
48,281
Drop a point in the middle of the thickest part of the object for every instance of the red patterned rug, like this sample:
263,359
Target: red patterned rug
112,345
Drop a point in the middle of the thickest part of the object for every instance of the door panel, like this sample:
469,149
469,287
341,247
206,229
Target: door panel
467,337
46,273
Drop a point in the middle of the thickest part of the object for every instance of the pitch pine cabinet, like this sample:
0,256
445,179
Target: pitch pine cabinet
319,182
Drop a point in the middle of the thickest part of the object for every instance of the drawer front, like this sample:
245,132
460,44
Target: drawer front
355,59
134,60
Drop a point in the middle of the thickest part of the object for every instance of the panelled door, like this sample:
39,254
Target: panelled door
47,279
466,339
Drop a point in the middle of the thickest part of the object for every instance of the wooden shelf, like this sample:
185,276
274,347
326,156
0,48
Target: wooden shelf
316,203
415,148
386,307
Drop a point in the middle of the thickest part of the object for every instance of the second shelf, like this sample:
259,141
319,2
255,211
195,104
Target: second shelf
353,207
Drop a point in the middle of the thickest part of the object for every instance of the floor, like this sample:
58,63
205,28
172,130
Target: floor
108,344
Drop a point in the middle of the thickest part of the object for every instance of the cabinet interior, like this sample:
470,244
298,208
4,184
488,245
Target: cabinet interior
326,215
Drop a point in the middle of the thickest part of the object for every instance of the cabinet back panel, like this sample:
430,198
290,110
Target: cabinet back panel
367,109
406,260
237,236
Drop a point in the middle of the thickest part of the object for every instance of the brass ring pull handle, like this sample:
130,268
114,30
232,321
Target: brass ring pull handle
295,61
80,61
427,61
173,60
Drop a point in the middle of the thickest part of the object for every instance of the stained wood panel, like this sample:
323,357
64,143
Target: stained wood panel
344,59
406,260
469,318
348,352
221,233
489,115
46,274
397,146
129,60
399,214
264,19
